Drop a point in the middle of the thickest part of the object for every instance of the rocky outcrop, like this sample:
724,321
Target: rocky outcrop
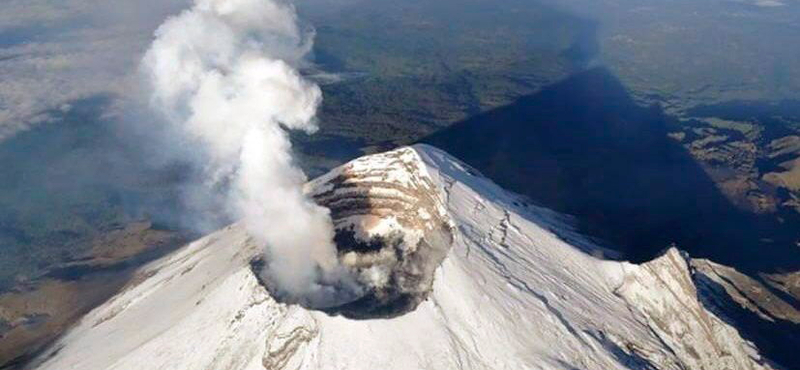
663,292
763,308
747,292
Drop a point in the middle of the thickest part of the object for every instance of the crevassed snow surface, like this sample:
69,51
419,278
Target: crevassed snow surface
519,289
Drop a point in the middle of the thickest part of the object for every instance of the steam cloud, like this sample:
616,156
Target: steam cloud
225,72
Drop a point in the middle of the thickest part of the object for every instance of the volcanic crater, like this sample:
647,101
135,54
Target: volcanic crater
392,231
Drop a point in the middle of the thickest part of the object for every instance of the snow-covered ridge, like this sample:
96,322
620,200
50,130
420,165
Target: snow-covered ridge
518,289
664,292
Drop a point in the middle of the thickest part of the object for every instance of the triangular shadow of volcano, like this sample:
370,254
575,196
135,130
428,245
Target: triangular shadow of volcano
583,147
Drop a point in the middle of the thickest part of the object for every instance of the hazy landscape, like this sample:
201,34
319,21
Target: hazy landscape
654,124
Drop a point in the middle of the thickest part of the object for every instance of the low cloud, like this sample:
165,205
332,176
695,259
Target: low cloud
54,52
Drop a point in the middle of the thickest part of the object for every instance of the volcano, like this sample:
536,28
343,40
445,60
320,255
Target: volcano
459,274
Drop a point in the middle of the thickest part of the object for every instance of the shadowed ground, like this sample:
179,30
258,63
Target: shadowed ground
583,147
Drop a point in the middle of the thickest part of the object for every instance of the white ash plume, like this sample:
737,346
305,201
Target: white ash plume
225,72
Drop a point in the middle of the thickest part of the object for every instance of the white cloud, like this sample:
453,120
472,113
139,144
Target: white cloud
53,52
768,3
25,13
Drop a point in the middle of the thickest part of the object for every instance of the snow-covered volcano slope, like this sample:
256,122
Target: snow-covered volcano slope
518,289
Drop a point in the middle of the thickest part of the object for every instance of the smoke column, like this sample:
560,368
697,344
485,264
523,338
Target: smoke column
225,72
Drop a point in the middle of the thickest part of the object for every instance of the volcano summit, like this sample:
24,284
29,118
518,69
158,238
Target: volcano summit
458,274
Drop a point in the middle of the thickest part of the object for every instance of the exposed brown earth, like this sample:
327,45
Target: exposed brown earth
734,154
750,293
37,311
